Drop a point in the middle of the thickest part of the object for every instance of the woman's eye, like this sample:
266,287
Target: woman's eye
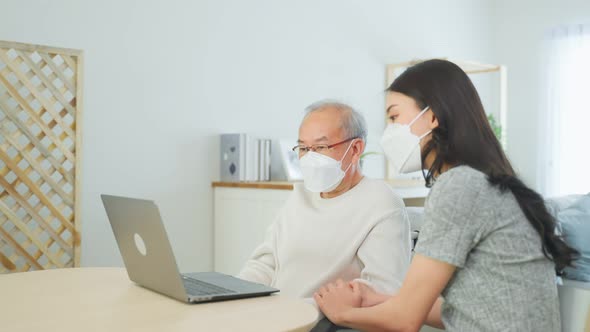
392,118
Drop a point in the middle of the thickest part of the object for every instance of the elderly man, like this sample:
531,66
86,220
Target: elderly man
338,224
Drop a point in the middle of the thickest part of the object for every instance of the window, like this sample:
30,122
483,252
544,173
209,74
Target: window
565,154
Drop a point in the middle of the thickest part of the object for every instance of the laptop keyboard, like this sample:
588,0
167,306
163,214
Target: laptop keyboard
197,287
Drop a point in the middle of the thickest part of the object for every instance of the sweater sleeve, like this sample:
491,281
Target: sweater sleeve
261,267
385,253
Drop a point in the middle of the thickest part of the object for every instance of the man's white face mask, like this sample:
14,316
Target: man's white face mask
321,173
402,147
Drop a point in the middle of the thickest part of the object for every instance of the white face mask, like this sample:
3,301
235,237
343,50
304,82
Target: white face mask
402,147
321,173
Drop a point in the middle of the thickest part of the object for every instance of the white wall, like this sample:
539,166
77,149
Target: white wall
519,28
164,78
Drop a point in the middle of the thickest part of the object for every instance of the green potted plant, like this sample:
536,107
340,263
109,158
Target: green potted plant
496,128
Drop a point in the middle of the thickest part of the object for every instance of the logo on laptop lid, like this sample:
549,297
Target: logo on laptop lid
139,244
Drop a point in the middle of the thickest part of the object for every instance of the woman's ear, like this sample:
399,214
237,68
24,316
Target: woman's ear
433,121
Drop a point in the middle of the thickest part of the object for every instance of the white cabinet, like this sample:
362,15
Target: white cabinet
241,217
243,212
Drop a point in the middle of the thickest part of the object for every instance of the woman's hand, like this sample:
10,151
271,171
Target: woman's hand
335,299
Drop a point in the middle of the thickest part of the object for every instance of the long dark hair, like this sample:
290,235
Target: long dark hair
464,137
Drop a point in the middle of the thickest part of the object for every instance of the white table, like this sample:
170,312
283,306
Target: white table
104,299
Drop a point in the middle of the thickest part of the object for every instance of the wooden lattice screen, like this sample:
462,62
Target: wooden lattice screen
40,109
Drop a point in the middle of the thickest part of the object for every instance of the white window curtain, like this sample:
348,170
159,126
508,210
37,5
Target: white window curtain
565,128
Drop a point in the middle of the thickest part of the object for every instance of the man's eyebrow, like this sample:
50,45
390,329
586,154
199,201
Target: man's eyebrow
321,139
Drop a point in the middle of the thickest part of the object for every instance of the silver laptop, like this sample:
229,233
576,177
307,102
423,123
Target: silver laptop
149,260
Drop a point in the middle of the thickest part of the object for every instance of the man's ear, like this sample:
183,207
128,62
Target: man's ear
357,150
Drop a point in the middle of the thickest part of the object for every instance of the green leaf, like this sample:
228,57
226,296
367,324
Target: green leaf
496,128
368,153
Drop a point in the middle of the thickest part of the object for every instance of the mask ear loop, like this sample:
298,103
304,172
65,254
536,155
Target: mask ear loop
345,153
416,118
426,133
347,168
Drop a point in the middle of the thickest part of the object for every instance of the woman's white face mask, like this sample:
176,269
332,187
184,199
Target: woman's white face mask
402,147
321,173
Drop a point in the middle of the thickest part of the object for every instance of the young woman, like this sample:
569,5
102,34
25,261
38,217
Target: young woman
488,250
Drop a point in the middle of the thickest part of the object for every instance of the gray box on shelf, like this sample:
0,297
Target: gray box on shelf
232,158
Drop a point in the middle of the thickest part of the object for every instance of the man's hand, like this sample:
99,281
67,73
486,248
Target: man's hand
336,298
369,297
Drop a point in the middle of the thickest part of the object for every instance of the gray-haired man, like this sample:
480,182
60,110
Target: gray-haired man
338,224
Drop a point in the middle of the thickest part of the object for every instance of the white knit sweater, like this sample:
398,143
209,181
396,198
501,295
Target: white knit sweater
362,234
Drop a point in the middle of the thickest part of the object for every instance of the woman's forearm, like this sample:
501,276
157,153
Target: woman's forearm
375,299
434,316
369,320
405,311
379,318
